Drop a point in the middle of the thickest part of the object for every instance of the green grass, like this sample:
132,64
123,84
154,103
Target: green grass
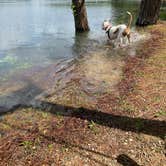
27,145
93,126
161,113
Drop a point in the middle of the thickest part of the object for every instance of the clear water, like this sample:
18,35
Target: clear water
35,34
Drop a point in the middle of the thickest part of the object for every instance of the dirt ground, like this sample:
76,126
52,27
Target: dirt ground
127,129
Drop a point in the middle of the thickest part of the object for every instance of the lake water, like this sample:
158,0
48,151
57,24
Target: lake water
35,34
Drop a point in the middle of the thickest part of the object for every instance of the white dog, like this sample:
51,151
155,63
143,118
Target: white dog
119,32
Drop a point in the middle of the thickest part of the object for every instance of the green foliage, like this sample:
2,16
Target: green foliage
27,144
73,8
13,60
50,146
59,116
6,126
163,13
44,115
93,127
65,148
9,59
161,113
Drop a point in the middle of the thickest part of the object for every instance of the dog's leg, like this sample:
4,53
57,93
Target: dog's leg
125,40
121,40
118,40
128,37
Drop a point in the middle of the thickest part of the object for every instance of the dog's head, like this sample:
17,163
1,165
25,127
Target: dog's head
106,24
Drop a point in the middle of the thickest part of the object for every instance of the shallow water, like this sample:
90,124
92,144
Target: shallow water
39,49
37,33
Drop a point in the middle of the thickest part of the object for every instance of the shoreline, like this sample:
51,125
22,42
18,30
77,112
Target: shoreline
131,123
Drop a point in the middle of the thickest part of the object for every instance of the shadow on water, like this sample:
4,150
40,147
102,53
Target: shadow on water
18,96
125,123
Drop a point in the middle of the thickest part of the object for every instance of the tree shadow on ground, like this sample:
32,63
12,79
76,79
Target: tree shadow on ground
126,160
134,124
138,125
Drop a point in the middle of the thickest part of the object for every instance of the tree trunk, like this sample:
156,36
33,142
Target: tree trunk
80,15
149,12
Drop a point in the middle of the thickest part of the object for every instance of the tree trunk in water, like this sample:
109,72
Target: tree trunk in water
149,12
80,15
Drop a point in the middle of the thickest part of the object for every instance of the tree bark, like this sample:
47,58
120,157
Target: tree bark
149,12
80,15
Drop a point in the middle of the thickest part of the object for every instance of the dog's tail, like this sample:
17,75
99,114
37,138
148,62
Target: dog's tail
130,20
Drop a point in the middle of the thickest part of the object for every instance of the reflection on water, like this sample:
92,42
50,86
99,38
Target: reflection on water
39,49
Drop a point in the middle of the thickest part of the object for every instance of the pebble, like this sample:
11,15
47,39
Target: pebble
130,140
33,147
132,151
